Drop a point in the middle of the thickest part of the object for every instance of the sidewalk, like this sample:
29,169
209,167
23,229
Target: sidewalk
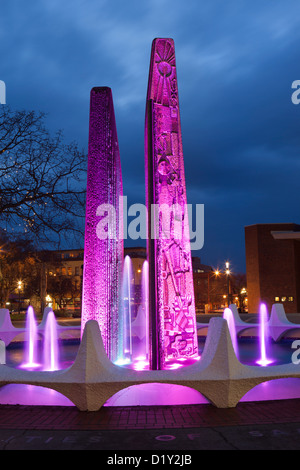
251,425
255,425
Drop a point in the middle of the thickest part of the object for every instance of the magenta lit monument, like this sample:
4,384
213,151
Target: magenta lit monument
173,332
103,248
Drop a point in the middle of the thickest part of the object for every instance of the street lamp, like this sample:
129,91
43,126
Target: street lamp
227,271
48,301
19,289
243,297
210,274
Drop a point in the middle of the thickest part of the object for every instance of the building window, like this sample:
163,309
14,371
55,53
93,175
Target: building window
283,299
277,299
77,273
69,271
64,271
291,299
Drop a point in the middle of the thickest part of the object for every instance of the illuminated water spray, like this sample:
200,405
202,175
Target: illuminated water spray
31,341
140,325
145,304
228,315
51,350
126,313
135,324
263,336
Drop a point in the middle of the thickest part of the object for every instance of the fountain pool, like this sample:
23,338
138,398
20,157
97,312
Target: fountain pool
249,351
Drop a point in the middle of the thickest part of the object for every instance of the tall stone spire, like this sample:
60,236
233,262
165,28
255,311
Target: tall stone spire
172,305
103,249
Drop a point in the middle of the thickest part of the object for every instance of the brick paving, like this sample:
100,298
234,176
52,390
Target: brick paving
148,417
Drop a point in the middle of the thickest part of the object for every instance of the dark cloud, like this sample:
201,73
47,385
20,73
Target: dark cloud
236,62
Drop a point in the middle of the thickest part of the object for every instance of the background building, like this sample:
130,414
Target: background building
63,281
273,265
214,288
54,279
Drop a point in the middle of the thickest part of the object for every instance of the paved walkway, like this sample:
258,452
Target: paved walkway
256,425
273,425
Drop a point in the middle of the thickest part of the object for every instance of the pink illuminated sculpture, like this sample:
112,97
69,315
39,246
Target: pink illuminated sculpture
103,252
172,306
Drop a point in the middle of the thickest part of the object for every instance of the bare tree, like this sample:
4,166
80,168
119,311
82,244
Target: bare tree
17,263
42,179
64,289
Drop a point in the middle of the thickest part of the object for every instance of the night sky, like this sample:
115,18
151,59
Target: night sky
236,62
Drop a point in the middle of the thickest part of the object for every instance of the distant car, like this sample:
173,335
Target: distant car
16,312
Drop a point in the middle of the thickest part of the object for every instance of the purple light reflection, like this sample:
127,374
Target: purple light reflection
20,394
147,394
278,389
154,394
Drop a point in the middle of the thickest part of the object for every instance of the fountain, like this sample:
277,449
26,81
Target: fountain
31,341
51,352
145,305
263,336
263,333
140,325
217,357
228,315
126,313
166,318
135,331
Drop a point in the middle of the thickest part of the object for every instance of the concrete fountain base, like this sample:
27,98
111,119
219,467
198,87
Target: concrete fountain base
93,378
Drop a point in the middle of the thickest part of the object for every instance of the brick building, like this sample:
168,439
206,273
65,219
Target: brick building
273,265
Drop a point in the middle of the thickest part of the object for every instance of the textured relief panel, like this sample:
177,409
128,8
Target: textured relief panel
171,263
103,257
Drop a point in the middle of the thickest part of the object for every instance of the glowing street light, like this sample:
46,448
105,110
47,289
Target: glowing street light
227,271
19,289
209,275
